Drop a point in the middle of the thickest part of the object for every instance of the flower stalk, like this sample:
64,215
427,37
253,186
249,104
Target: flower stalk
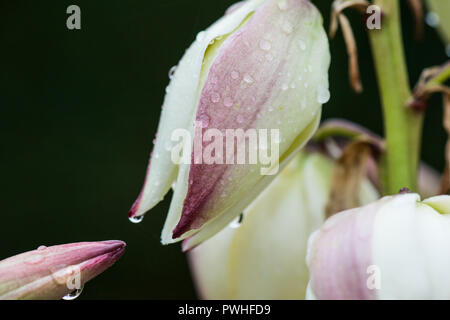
403,126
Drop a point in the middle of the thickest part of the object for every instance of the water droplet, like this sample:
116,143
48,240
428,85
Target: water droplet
265,45
287,27
240,119
74,294
212,42
283,5
323,94
42,248
204,119
248,79
228,102
136,219
215,97
234,75
237,222
172,72
302,45
432,19
200,36
269,57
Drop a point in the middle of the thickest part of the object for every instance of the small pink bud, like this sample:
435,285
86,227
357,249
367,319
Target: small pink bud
53,272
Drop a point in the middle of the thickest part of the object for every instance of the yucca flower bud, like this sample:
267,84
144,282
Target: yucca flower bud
263,256
395,248
50,273
258,76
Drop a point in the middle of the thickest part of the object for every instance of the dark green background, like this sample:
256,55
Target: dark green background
79,110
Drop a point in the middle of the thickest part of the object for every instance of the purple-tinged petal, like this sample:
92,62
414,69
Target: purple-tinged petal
269,74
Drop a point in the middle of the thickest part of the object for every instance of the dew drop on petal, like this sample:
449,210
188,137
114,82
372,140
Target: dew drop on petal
42,248
228,102
234,75
136,219
74,294
172,72
287,27
323,94
204,119
269,57
248,79
200,36
265,45
215,97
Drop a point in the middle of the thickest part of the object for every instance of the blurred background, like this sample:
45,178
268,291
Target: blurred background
79,110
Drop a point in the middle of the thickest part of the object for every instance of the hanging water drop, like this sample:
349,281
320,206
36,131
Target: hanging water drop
74,294
237,222
136,219
432,19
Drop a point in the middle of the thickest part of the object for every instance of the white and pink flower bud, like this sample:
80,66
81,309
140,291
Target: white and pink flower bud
263,66
50,273
395,248
263,257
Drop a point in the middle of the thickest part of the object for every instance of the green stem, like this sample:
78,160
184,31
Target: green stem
403,126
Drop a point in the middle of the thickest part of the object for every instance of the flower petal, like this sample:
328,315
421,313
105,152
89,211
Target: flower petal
179,107
277,47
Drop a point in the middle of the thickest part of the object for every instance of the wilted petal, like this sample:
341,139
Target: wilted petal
44,273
